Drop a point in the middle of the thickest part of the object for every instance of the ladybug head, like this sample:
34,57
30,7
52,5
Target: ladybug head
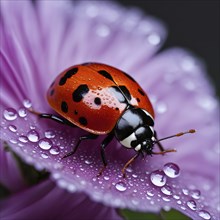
134,129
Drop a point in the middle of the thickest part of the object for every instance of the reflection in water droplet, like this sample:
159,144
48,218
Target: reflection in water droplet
33,136
196,194
12,128
55,150
158,178
49,134
23,139
27,103
204,214
45,144
191,204
171,170
22,112
10,114
121,186
166,190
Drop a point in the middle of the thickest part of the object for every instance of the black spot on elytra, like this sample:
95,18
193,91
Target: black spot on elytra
117,109
83,121
126,92
80,92
68,75
97,101
141,92
106,74
64,107
51,92
138,100
75,112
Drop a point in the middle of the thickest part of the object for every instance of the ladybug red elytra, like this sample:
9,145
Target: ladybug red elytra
104,100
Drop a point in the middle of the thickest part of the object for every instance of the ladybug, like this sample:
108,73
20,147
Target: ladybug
103,100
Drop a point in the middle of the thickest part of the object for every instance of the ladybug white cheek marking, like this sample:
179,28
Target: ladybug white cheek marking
127,141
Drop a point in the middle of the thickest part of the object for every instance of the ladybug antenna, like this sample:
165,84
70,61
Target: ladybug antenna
177,135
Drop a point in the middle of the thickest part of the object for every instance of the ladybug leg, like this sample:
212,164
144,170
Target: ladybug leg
158,143
104,144
128,163
52,117
82,138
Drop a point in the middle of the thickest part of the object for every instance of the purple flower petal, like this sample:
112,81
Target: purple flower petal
46,201
10,175
175,81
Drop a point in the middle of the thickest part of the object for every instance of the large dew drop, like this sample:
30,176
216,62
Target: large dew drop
121,186
171,170
10,114
191,204
158,178
33,136
204,214
45,144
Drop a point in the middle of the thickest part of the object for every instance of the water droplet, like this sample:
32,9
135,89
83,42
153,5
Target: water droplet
204,214
33,136
45,144
22,112
23,139
10,114
49,134
176,196
196,194
158,178
55,150
121,186
185,191
166,190
88,162
12,128
106,177
150,192
171,170
154,39
179,202
44,155
191,204
13,141
27,103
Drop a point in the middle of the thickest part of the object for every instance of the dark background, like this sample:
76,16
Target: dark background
191,24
